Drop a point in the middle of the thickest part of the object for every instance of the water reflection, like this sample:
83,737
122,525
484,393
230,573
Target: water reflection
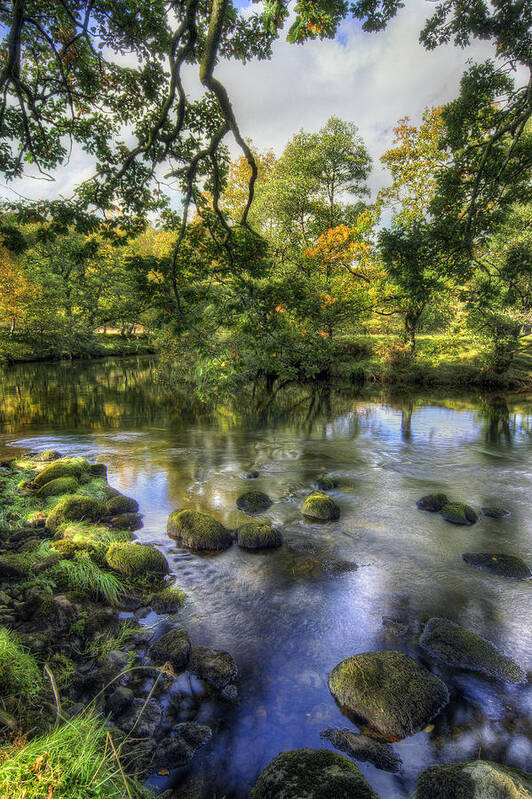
289,616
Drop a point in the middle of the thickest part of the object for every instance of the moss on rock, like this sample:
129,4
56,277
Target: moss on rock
126,521
48,455
499,564
389,691
198,531
213,665
76,508
66,467
98,470
458,513
253,502
459,647
432,502
136,560
320,506
174,647
121,504
311,774
478,779
364,749
326,483
255,535
61,485
169,600
496,512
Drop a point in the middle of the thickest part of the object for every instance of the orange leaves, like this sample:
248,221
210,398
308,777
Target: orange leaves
279,309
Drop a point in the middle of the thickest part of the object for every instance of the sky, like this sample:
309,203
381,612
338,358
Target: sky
372,79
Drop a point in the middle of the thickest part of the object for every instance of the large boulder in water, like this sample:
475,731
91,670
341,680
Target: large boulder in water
198,531
478,779
320,506
253,502
214,666
391,692
502,565
255,535
311,774
496,512
365,749
464,649
458,513
432,502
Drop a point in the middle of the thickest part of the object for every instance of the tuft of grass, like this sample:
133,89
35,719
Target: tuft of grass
20,675
78,759
106,642
85,576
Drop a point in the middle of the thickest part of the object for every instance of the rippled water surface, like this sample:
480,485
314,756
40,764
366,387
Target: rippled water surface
289,616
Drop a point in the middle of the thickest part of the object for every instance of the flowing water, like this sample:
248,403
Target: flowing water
289,616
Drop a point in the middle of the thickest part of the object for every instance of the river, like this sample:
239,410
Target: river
289,616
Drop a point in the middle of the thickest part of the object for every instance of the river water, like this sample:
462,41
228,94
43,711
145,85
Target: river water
289,616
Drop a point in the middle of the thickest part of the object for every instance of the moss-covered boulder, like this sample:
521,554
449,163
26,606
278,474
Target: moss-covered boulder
66,467
364,749
459,647
61,485
432,502
169,600
47,455
76,508
98,470
126,521
198,531
136,560
478,779
253,502
320,506
68,547
326,483
172,647
496,512
458,513
255,535
311,774
214,666
499,564
121,504
391,692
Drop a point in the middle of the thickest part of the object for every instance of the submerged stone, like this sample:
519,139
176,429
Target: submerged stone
496,512
478,779
497,563
432,502
326,483
76,508
253,502
391,692
459,513
251,475
254,535
320,506
174,647
61,485
311,774
365,749
198,531
136,560
459,647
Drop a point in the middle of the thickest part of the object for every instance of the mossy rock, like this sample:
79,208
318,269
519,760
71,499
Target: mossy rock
432,502
320,506
255,535
173,647
198,531
499,564
67,467
12,567
391,692
364,749
169,600
458,513
136,560
98,470
121,504
67,548
61,485
326,483
311,774
216,667
496,512
477,779
47,455
126,521
253,502
76,508
464,649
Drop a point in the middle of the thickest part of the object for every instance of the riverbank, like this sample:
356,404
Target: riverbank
15,349
81,679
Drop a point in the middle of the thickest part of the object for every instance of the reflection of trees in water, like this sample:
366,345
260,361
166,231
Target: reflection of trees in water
502,425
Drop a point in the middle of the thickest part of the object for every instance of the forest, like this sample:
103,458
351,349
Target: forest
314,381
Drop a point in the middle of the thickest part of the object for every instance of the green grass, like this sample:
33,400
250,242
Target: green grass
105,642
78,760
20,675
83,575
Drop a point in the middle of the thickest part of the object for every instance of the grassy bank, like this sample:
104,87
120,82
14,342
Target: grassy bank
22,349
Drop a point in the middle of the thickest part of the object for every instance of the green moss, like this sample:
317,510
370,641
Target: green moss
325,483
48,455
311,774
389,691
120,504
20,676
499,564
136,560
463,648
458,513
75,508
321,507
172,646
61,485
254,535
198,531
253,502
496,512
432,502
66,467
478,778
98,469
169,600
